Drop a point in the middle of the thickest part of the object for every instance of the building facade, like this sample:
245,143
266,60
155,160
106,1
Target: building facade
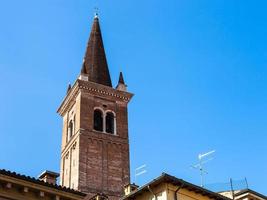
167,187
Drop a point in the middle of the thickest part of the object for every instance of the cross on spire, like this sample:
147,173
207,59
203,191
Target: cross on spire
96,12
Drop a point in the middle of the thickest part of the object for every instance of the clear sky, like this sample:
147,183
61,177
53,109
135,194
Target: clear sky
198,70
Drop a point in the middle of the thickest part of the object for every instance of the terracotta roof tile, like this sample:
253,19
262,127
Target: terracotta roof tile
37,181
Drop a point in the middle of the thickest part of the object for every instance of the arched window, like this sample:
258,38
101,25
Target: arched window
110,122
74,121
70,129
98,120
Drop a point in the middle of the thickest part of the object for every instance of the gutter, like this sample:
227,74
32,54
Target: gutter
148,187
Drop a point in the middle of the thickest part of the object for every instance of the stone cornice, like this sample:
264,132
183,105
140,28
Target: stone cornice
69,98
95,90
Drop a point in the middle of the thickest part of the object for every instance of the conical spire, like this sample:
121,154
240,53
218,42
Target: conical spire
95,62
121,80
121,84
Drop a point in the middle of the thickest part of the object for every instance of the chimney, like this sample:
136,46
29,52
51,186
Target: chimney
49,177
129,188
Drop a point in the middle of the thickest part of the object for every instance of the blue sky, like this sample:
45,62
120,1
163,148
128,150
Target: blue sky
198,70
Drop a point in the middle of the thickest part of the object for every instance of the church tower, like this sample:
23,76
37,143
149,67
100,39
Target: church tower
95,143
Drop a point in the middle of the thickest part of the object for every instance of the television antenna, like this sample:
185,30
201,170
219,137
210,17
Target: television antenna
202,159
139,171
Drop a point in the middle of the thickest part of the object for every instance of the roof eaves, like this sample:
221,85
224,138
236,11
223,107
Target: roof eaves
37,181
176,181
197,188
252,192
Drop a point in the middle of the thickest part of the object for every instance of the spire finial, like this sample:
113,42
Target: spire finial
96,13
121,79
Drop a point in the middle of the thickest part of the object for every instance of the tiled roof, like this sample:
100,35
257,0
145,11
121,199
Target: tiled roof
37,181
166,178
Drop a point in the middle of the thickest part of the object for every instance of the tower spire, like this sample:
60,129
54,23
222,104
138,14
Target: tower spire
95,128
121,79
121,84
95,63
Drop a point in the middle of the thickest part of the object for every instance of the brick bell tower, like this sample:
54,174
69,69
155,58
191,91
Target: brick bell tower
95,143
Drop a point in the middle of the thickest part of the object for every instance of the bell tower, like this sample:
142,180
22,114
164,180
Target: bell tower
95,143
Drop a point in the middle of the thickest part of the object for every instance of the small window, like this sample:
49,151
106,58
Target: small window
98,120
110,123
67,137
74,120
70,129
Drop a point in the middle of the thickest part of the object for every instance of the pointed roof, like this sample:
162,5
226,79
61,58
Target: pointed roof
121,79
83,70
121,84
95,62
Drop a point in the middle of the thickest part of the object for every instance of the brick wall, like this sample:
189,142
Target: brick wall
100,161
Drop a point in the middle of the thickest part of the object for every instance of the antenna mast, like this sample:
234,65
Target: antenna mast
139,171
199,166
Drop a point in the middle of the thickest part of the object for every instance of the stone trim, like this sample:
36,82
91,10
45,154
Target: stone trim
95,90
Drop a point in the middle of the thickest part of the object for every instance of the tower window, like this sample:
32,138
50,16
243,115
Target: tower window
98,120
74,118
110,122
70,129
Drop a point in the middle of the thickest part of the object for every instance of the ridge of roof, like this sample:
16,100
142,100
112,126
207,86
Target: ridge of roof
37,181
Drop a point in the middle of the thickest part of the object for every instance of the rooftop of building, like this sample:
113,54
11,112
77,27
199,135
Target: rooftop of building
250,191
39,182
166,178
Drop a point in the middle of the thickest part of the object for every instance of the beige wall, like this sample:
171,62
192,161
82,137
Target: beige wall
190,195
69,175
228,194
245,196
160,192
167,191
21,189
